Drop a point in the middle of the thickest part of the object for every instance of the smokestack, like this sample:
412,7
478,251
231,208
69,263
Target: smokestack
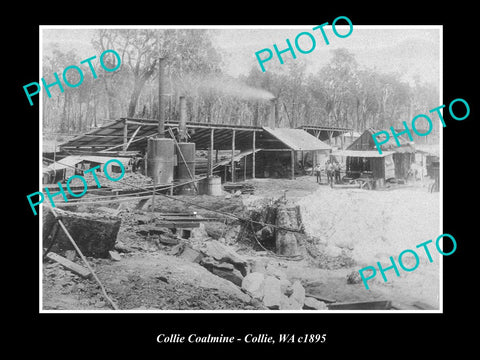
183,119
272,119
161,100
256,114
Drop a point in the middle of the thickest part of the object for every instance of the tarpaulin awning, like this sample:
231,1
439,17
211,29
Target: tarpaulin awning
362,153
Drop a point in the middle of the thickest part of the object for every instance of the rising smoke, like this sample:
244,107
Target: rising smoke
219,85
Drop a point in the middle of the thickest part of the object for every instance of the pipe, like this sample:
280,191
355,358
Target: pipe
183,120
161,100
272,119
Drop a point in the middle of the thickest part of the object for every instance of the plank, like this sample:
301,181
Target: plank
180,224
321,298
70,265
363,305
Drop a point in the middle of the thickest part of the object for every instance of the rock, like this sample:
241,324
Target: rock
257,304
80,286
209,263
237,193
284,302
253,283
289,303
222,253
233,275
70,254
215,230
168,240
52,265
122,248
162,278
333,251
164,234
177,249
354,277
274,271
114,256
286,287
222,269
259,265
143,219
225,266
272,292
191,254
100,304
314,304
298,293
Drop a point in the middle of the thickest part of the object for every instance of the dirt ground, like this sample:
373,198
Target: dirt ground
353,229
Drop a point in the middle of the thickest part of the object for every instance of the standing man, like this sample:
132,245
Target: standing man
337,172
329,170
317,170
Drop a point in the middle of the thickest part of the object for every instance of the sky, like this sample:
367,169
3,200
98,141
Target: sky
407,50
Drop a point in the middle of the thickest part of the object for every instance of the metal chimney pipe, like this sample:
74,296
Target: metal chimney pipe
183,119
273,113
161,99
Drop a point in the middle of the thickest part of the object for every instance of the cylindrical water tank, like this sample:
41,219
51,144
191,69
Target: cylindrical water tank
160,160
188,151
182,173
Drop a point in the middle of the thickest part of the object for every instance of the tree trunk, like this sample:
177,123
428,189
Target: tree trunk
137,89
286,241
63,121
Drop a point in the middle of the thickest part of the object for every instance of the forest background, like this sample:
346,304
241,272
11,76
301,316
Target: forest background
375,78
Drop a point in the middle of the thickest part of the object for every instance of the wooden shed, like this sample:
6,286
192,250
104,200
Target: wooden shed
403,155
368,164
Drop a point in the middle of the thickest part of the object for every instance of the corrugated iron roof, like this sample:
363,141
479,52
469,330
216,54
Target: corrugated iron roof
66,162
297,139
110,136
71,161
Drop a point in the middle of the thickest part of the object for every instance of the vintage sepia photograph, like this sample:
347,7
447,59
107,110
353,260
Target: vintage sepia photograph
286,169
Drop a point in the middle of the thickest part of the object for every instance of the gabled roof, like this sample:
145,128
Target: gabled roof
297,139
366,142
324,132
